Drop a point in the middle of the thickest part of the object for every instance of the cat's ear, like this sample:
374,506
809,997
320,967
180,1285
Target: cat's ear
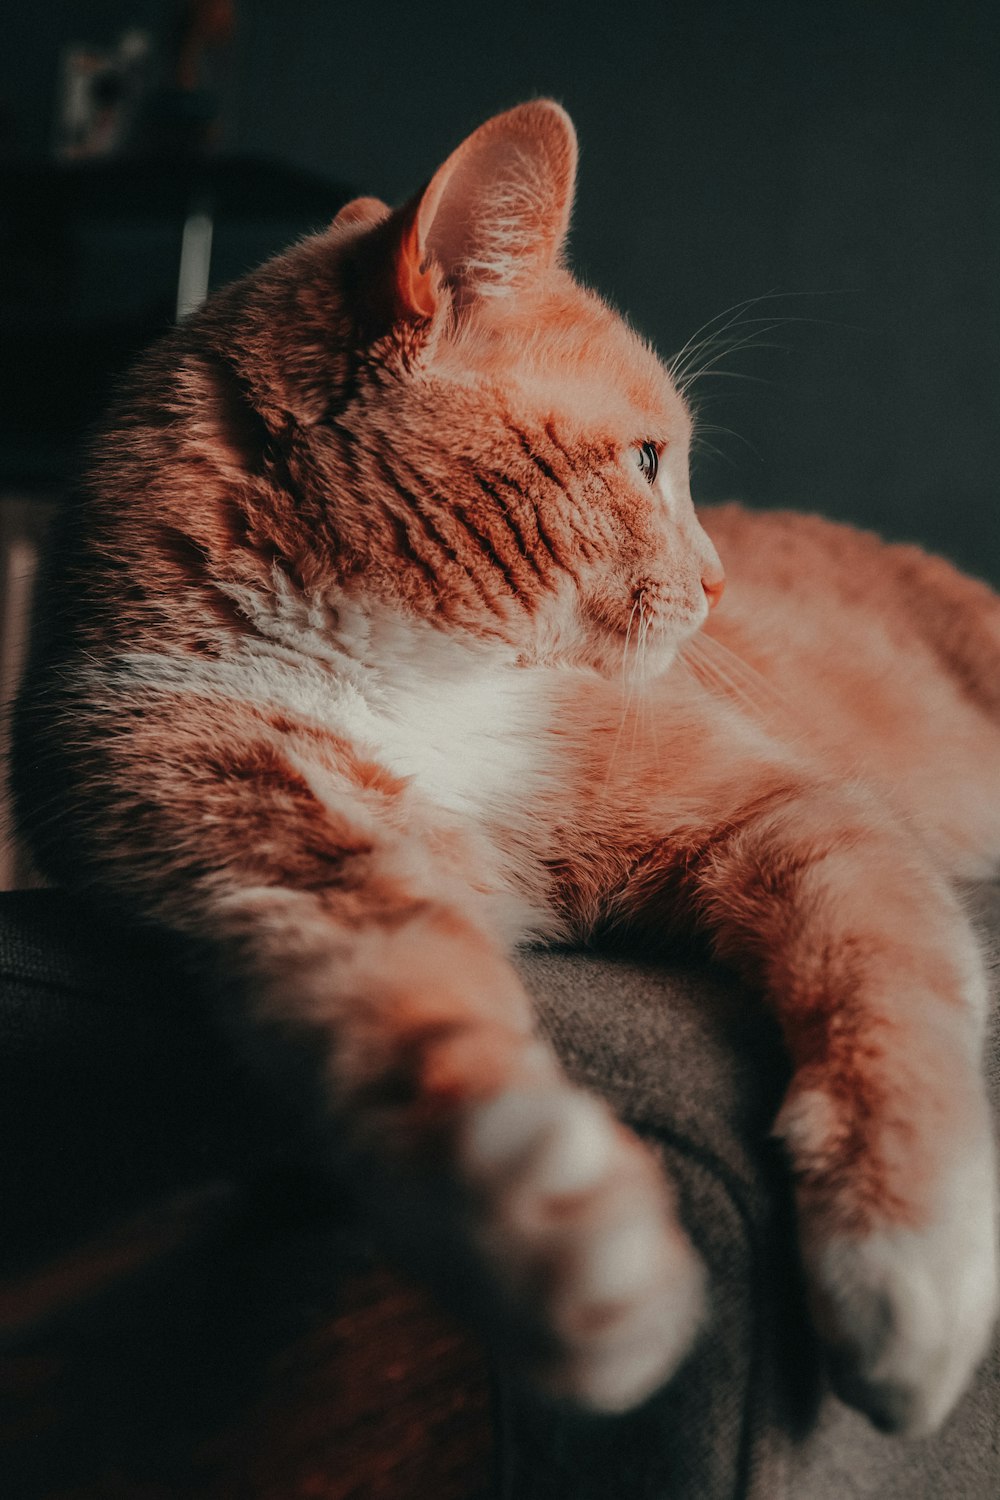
361,212
494,217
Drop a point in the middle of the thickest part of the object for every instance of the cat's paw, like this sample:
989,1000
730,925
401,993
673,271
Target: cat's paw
906,1322
575,1221
907,1310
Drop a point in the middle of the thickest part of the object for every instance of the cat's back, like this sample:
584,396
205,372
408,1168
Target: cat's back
884,657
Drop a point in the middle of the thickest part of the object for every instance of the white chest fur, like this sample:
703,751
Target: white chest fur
472,743
458,719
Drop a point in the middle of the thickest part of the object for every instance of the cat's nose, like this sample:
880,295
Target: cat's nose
713,583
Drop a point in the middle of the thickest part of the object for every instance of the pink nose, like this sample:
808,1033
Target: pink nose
714,585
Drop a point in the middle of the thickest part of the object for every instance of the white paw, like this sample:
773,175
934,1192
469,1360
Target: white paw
907,1313
576,1222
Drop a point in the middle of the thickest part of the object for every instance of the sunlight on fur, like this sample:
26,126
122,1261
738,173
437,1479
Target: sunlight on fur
388,638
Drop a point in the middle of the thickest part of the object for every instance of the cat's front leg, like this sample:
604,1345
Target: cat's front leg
578,1219
875,976
557,1229
355,937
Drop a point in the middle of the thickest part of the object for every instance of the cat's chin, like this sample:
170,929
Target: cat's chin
636,661
609,660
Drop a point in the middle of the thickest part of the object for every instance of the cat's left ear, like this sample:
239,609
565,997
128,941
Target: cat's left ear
493,219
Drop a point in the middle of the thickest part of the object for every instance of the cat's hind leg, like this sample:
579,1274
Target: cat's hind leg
956,616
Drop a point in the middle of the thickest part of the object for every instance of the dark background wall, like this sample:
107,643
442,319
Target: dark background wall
839,161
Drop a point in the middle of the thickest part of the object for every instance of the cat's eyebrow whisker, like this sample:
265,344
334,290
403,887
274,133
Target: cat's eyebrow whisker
733,335
735,329
718,427
711,349
699,446
731,314
732,346
706,403
707,374
732,318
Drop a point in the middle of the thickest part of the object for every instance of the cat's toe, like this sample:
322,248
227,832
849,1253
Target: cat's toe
627,1298
907,1315
577,1221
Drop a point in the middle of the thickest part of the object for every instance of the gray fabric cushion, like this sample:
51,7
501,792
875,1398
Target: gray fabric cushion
684,1056
687,1057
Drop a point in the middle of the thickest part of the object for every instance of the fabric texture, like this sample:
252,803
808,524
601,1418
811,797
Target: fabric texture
686,1055
114,1090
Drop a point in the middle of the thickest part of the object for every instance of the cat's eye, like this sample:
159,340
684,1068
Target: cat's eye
648,460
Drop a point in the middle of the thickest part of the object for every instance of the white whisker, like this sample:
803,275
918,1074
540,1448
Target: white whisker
721,670
626,698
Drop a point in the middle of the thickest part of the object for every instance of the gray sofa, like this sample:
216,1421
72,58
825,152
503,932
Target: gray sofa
685,1055
114,1094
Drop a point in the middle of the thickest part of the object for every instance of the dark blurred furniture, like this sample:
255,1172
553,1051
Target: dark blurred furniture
186,1309
91,255
193,1310
96,257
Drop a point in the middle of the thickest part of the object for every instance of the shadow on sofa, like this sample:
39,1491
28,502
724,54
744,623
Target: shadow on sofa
193,1307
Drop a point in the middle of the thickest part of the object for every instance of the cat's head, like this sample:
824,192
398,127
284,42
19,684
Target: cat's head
467,434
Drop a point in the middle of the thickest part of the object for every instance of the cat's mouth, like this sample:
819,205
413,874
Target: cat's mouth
659,610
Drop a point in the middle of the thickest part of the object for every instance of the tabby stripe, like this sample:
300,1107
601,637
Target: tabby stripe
556,552
348,451
489,550
432,533
485,545
543,536
553,478
550,433
513,523
536,458
404,545
404,532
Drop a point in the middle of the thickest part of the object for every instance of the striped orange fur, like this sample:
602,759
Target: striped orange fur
382,644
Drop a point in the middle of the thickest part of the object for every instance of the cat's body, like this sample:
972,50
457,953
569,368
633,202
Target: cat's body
366,668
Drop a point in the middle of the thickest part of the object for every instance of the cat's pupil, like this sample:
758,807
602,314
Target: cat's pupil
649,461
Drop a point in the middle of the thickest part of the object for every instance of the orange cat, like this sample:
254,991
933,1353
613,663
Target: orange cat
374,657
